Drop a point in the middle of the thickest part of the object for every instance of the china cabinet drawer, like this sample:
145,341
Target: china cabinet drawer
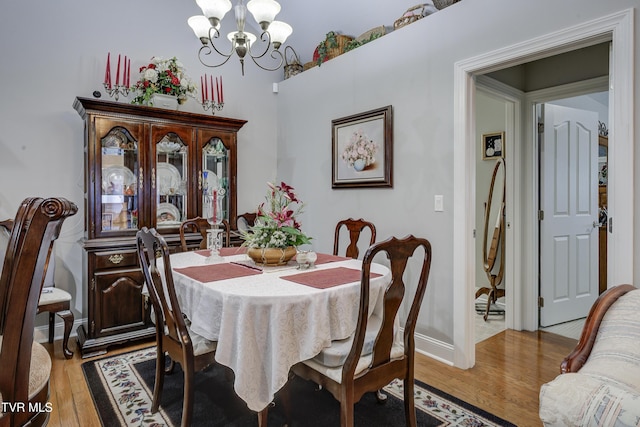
116,259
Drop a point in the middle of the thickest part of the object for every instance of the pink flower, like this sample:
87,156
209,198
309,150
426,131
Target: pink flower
284,217
286,188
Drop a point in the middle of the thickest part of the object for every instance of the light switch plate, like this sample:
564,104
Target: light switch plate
438,203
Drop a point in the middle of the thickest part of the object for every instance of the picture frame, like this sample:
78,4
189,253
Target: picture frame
362,149
488,145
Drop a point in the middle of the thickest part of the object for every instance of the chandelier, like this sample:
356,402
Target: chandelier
274,33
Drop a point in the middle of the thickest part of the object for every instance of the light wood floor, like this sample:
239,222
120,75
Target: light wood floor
510,368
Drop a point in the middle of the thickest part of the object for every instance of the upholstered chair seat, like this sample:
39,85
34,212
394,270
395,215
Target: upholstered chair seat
53,296
39,372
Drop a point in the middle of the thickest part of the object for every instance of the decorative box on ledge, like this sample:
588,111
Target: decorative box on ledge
170,102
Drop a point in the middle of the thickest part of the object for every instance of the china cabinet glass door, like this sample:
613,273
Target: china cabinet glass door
120,165
171,183
215,172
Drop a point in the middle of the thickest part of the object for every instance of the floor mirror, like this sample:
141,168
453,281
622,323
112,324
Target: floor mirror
493,239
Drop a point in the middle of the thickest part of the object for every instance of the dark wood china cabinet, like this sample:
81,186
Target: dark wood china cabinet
144,166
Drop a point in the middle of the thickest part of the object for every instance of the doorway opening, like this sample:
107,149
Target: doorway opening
521,292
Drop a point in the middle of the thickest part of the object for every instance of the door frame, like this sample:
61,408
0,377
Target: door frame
617,28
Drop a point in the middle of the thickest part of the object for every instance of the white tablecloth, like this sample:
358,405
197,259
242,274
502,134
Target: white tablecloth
264,324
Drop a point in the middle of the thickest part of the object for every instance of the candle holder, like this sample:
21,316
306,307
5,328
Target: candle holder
209,104
116,91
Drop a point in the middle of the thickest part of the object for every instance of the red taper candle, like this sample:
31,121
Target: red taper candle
221,92
124,71
206,87
129,73
202,89
106,70
118,72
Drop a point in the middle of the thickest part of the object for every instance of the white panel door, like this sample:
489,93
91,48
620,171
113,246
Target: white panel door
569,201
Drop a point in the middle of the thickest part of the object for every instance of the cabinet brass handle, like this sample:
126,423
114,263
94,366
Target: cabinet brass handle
153,178
140,179
116,259
199,182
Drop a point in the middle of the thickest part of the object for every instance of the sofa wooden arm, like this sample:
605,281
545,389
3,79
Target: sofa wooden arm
574,361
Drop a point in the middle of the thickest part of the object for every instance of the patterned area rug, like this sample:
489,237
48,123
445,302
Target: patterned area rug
122,389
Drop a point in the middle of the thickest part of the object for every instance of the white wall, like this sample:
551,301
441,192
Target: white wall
412,70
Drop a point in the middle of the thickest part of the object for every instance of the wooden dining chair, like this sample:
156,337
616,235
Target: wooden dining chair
376,354
173,334
53,300
355,227
25,364
201,225
246,220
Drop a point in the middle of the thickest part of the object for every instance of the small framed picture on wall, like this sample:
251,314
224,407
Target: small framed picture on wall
492,145
362,149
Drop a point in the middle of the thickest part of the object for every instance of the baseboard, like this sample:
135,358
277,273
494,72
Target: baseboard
434,348
41,333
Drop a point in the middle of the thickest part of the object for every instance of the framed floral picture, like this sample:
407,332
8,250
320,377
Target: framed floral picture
492,145
362,149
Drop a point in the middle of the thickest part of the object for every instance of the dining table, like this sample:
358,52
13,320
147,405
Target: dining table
266,319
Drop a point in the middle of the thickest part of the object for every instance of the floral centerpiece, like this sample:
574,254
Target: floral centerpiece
360,152
163,76
276,227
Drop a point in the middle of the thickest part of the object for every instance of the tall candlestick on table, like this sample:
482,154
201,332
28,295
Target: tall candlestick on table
221,92
213,98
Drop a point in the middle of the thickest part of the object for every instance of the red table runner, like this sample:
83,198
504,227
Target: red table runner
325,258
213,272
323,279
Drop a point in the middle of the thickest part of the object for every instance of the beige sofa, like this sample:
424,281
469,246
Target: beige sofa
600,380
